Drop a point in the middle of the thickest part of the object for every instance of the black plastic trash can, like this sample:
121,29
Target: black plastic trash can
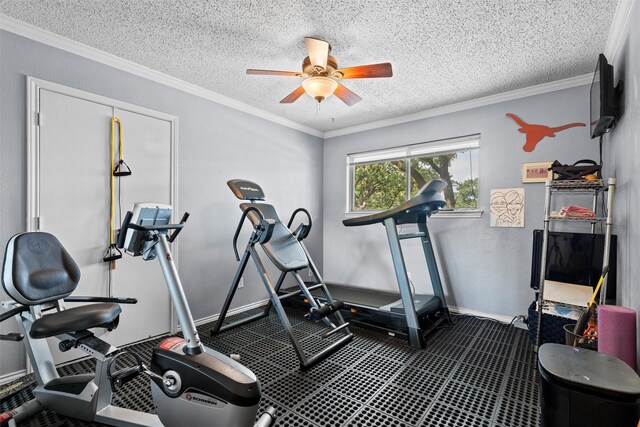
584,388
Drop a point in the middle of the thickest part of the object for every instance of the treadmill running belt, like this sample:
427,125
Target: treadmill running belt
377,300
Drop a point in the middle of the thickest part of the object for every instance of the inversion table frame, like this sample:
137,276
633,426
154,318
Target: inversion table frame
289,255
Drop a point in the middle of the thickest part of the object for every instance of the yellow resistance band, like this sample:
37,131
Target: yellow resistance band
114,120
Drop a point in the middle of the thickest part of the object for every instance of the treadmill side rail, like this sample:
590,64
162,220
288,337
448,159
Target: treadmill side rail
413,328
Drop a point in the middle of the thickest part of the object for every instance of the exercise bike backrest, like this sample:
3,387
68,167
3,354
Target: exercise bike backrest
39,274
38,269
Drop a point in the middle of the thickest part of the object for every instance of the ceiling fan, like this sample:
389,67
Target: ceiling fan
320,72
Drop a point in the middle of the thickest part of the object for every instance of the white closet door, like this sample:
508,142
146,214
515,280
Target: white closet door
74,195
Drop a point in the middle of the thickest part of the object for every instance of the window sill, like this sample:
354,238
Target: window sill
458,213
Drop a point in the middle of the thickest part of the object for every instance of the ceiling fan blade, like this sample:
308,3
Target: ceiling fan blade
293,96
346,95
367,71
318,51
272,72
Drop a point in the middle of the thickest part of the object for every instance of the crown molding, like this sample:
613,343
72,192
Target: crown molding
612,48
619,29
46,37
467,105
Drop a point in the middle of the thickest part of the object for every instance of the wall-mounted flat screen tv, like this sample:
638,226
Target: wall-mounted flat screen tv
604,100
574,258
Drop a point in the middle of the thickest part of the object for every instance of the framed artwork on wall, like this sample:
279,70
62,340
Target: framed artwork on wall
507,207
536,172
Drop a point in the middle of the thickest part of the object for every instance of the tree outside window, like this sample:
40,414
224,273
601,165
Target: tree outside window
382,185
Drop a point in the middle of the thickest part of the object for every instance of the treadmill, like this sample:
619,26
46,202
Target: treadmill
385,311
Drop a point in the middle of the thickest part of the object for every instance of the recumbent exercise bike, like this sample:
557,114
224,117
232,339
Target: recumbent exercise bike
191,384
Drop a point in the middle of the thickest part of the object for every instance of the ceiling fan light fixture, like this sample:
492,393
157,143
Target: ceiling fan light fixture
319,87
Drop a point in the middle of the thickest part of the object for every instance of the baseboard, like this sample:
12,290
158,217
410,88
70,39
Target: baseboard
454,309
12,376
498,317
521,325
231,312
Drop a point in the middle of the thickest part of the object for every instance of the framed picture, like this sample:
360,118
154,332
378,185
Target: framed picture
536,172
507,207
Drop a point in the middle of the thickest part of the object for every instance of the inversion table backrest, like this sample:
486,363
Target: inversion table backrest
283,248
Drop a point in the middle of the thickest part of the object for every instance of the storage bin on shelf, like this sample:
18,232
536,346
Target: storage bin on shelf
552,327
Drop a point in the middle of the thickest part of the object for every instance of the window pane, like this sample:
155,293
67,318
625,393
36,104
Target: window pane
381,180
379,186
458,170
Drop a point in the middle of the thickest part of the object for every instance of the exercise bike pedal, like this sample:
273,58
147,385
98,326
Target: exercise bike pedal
123,376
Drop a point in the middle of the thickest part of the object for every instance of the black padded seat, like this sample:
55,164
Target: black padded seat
283,248
76,319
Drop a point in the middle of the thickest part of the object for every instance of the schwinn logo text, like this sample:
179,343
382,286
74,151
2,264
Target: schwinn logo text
250,189
201,399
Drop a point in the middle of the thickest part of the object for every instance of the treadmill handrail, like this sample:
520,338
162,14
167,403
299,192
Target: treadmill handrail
428,200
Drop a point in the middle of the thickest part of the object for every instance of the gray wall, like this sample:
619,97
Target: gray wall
622,160
484,269
215,144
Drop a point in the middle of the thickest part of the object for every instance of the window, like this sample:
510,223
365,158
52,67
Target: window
383,179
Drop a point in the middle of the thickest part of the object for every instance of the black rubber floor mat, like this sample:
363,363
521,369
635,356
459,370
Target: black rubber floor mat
472,373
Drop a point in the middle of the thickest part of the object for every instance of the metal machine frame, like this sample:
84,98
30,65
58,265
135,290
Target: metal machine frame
194,370
414,211
262,234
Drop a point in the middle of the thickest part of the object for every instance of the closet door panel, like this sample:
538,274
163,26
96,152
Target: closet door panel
74,203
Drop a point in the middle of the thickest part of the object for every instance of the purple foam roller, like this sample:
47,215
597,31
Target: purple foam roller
617,332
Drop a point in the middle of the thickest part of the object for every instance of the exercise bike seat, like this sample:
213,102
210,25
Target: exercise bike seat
283,249
37,269
104,315
429,199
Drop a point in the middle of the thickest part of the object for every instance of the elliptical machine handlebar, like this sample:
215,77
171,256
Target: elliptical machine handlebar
262,230
303,229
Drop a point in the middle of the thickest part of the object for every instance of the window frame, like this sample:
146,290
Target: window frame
406,153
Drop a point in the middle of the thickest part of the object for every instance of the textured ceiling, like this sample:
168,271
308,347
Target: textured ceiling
442,51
